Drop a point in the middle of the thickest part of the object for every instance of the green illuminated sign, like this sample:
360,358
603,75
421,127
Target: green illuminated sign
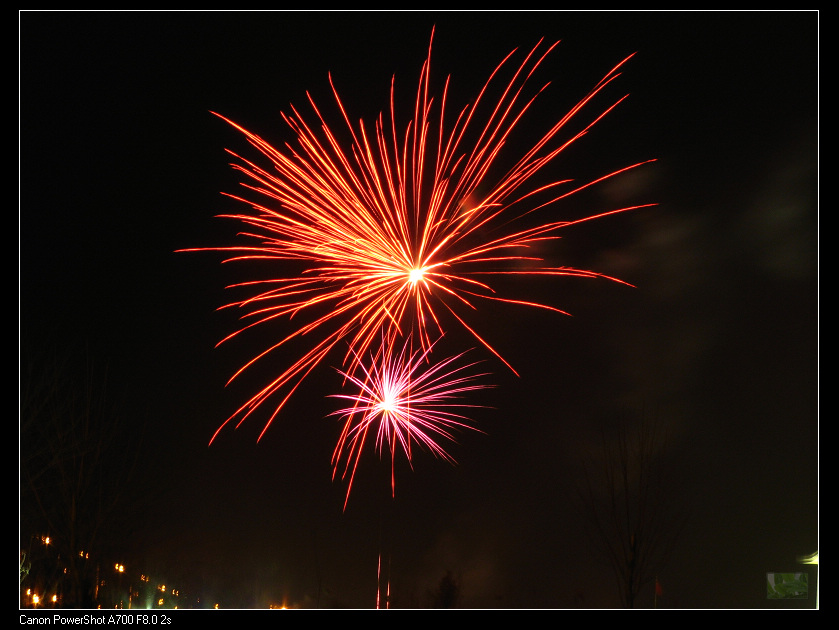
786,586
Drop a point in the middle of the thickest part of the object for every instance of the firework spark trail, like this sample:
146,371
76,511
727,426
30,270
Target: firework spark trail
404,398
388,225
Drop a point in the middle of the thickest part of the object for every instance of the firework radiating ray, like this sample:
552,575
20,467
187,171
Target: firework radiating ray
391,226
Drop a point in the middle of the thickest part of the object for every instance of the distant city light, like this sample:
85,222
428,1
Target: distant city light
123,592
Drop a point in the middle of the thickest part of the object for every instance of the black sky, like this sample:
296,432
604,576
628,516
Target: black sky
122,163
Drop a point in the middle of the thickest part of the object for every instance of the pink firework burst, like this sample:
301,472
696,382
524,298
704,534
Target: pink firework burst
402,399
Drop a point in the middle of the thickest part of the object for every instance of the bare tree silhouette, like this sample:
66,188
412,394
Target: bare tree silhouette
76,456
626,496
447,593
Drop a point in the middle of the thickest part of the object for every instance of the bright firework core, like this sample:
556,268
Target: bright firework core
387,405
389,400
415,275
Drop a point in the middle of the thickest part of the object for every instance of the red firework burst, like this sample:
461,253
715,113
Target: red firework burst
390,226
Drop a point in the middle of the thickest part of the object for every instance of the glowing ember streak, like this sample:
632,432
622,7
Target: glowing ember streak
404,399
392,226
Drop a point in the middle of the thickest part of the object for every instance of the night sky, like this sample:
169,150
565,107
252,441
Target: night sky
122,164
